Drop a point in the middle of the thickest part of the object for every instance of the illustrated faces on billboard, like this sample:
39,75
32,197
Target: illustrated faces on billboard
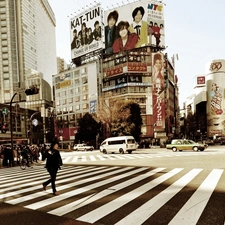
86,32
142,21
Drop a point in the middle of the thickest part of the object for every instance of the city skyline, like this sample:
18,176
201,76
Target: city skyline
192,32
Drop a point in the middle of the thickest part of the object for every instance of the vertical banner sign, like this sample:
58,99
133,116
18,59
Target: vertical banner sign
86,32
158,90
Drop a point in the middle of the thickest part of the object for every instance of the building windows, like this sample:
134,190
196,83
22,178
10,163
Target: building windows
77,90
64,101
84,80
77,107
72,117
70,108
58,111
71,91
85,106
77,98
83,70
85,88
76,73
84,97
77,81
70,100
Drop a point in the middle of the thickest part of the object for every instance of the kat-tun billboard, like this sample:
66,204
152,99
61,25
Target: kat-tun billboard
133,25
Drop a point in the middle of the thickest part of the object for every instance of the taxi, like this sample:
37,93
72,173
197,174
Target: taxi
185,144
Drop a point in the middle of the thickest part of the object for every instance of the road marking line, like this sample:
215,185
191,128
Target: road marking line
75,159
92,158
77,191
96,196
159,200
97,214
193,208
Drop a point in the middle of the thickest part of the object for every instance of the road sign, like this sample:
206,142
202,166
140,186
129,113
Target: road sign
5,111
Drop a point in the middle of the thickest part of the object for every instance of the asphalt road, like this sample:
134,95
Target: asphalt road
212,157
173,194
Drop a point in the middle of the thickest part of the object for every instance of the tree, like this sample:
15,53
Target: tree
88,128
127,119
120,117
190,125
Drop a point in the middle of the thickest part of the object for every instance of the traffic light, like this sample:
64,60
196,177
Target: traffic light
4,128
32,91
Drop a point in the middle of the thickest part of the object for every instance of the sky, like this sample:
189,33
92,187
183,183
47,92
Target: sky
194,30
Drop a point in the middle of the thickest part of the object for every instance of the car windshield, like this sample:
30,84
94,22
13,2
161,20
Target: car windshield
191,142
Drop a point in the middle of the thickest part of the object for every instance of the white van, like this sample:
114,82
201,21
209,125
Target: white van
119,144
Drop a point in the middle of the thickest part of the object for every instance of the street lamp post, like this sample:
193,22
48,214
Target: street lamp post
11,125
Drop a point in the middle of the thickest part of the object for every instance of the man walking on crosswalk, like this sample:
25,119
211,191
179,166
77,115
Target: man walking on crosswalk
53,163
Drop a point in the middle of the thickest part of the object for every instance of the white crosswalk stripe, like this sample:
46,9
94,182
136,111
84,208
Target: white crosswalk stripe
121,195
103,157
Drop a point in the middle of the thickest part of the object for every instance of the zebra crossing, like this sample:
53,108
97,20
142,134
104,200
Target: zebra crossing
120,195
80,158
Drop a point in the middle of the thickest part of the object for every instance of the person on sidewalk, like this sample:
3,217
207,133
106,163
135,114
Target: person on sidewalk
53,163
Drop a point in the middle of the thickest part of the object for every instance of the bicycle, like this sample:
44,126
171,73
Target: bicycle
23,162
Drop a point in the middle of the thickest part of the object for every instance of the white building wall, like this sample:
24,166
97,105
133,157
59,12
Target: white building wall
46,40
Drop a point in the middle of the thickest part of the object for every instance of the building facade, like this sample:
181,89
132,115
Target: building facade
147,78
27,43
75,93
137,71
207,103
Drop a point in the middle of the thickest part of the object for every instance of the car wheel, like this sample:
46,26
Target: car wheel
121,151
195,148
174,149
104,151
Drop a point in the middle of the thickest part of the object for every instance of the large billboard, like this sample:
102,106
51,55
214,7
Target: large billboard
215,73
134,25
87,32
158,90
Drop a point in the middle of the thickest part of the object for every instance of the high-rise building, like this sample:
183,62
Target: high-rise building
27,44
61,65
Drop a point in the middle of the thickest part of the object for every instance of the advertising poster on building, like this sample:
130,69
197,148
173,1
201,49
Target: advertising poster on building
87,32
134,25
93,106
215,105
155,21
63,81
158,90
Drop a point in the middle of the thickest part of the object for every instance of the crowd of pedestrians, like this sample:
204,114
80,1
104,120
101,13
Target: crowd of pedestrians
31,153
